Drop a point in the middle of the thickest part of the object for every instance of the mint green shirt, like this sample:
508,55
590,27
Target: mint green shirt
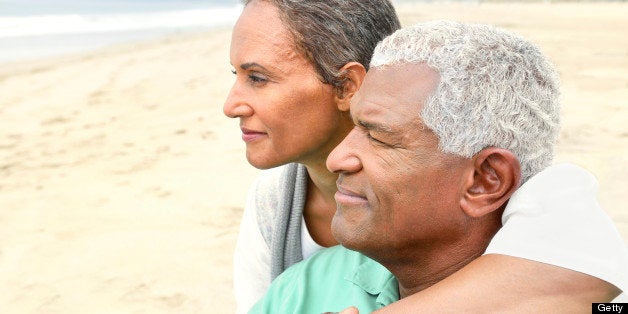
330,281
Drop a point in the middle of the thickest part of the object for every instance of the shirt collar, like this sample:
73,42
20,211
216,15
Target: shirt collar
375,279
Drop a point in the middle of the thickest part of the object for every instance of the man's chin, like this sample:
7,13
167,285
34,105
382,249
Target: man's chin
344,234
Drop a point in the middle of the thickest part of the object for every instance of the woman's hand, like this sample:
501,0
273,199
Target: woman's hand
349,310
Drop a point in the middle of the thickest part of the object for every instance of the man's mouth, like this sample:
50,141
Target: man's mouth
345,196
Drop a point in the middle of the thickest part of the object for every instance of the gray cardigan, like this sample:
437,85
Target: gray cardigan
282,232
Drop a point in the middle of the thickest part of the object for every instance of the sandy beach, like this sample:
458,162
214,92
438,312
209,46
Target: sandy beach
122,183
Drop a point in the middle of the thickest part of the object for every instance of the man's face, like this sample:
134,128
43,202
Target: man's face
396,189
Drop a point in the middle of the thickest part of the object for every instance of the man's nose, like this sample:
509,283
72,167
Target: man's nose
236,105
344,157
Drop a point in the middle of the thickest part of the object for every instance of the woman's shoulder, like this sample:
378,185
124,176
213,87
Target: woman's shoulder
268,191
269,185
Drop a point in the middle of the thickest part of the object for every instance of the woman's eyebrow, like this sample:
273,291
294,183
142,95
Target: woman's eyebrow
248,65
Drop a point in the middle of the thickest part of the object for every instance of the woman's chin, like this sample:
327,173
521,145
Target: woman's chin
262,163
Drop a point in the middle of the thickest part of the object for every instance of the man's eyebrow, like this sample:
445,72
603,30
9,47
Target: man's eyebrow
377,127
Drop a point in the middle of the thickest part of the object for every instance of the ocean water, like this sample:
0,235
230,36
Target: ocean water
32,29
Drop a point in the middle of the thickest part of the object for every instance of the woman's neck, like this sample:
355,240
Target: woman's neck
320,205
323,181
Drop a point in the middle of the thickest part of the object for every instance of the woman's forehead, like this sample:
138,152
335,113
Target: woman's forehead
259,33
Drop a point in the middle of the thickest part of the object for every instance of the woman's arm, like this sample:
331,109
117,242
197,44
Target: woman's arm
509,284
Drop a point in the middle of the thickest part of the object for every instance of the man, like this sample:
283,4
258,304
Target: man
450,121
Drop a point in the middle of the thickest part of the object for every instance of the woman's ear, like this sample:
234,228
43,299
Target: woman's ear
496,176
352,75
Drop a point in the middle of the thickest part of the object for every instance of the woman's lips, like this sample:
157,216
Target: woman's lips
250,135
348,197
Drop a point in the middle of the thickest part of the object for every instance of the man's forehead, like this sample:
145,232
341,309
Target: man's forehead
367,111
374,92
399,88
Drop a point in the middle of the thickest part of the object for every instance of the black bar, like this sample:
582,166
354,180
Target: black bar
609,308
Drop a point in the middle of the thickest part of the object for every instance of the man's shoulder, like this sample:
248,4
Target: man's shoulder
335,258
328,265
330,280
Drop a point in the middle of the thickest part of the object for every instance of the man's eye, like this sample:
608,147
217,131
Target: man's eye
372,139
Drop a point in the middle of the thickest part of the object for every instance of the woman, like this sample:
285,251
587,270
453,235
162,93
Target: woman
297,65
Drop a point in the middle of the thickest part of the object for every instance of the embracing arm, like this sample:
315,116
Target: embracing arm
509,284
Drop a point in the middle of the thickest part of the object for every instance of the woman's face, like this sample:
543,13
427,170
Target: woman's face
286,113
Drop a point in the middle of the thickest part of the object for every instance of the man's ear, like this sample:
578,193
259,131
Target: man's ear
352,75
496,176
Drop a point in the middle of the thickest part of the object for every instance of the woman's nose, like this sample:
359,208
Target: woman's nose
235,105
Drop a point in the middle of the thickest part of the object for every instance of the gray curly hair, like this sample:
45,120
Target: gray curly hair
496,89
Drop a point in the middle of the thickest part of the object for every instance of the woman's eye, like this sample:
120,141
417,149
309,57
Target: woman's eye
234,72
256,78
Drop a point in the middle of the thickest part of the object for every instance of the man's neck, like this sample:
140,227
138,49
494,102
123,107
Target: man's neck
415,277
426,264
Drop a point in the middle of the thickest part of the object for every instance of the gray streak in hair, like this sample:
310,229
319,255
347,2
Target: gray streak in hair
333,33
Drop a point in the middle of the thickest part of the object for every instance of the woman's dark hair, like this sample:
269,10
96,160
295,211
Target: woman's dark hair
332,33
